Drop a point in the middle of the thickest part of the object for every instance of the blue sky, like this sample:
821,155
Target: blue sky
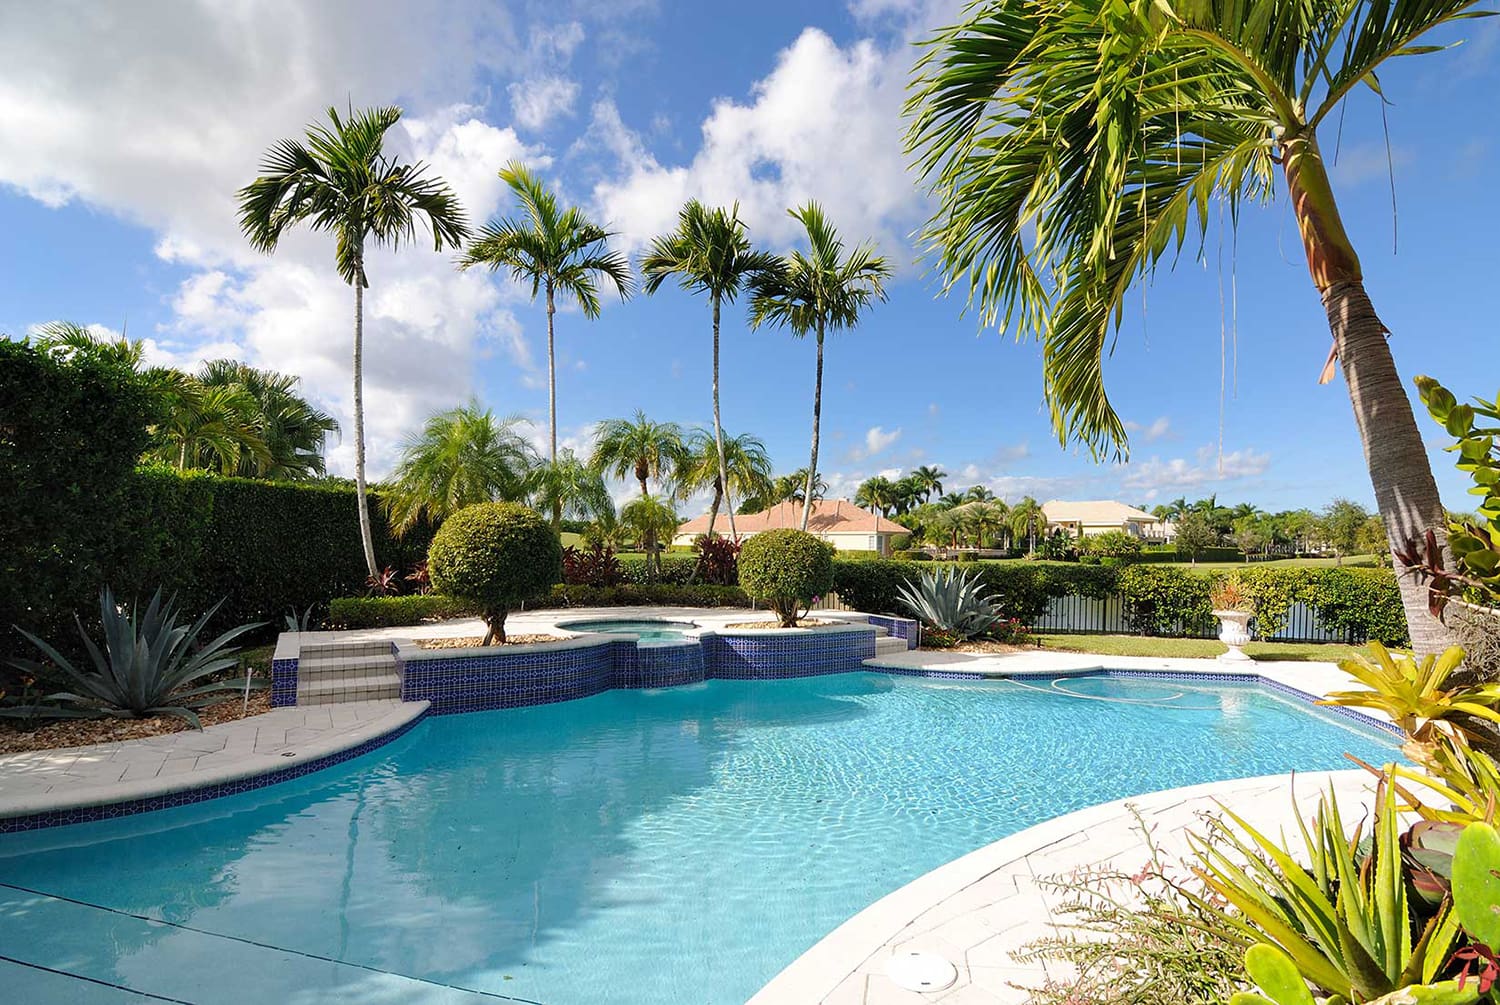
116,209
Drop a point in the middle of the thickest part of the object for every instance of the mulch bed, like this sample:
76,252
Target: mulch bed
17,737
804,623
980,646
477,642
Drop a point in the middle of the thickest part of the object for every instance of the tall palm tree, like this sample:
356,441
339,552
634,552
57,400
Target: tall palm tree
816,292
569,487
727,466
793,487
341,181
558,251
952,499
878,493
1069,142
1026,520
979,493
462,456
293,430
709,253
644,450
930,477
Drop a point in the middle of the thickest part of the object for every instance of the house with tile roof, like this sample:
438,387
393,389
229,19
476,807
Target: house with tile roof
838,521
1097,516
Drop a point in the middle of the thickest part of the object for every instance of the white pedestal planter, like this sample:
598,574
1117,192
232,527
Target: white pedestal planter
1234,632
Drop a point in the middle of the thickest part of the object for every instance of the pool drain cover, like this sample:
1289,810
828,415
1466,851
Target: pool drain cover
923,972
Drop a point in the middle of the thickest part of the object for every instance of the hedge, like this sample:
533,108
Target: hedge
387,612
647,595
1159,600
676,569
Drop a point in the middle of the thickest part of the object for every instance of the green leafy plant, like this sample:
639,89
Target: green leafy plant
149,664
1230,594
1110,544
950,602
495,556
786,569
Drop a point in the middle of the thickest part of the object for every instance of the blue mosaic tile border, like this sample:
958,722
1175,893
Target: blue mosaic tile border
781,657
899,628
664,665
283,683
510,680
187,797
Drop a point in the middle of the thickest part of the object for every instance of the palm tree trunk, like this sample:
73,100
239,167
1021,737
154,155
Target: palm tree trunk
552,402
361,502
1405,491
719,437
812,465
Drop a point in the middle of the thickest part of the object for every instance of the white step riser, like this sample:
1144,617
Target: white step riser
884,647
332,650
347,664
325,690
390,692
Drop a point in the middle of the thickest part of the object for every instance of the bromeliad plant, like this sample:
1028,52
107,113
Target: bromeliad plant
950,603
150,664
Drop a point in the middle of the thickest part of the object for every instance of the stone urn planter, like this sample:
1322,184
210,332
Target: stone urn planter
1234,632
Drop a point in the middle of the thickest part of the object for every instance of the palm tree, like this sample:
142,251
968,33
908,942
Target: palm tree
462,456
650,518
1026,519
212,428
909,492
979,493
556,250
709,453
930,478
644,450
341,181
1069,145
951,500
710,253
793,487
878,493
293,430
569,487
814,293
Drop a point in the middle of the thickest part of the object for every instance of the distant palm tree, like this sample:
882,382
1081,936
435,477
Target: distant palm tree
293,430
930,478
462,456
1071,143
979,493
569,487
341,181
814,293
556,250
793,487
1027,520
710,253
650,518
878,493
641,449
952,499
708,453
910,491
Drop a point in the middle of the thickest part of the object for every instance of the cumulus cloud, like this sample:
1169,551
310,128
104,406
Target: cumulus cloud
780,148
538,100
877,440
1179,473
1149,433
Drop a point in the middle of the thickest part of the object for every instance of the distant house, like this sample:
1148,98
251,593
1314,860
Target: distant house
1097,516
837,521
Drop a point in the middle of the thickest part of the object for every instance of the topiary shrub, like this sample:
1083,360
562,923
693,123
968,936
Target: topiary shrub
786,569
495,556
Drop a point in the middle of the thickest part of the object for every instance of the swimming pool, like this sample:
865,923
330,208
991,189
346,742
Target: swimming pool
647,629
677,845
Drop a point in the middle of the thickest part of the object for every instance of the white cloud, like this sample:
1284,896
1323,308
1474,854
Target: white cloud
825,124
538,100
1179,473
877,440
1158,429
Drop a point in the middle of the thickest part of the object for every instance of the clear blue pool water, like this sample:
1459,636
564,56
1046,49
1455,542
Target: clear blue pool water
649,631
634,848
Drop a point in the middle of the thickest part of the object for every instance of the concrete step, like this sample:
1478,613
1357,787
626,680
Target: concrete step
887,646
324,650
328,690
880,632
351,666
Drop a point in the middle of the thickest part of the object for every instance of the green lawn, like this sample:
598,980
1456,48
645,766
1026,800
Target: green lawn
1350,561
570,539
1137,645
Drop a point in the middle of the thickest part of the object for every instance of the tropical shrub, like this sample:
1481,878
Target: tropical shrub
718,560
1110,544
648,594
495,556
670,568
786,569
1164,600
149,663
386,612
1362,603
1230,594
951,603
597,566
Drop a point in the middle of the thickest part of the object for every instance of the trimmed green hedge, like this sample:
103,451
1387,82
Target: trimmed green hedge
636,594
675,569
387,612
1159,600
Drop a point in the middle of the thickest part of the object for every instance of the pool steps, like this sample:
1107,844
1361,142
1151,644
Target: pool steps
349,671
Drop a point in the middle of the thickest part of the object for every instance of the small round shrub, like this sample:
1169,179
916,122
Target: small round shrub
786,569
495,556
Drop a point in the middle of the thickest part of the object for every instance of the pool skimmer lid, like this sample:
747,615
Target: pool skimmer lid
921,972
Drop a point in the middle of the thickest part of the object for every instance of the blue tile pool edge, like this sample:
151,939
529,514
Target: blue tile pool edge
186,797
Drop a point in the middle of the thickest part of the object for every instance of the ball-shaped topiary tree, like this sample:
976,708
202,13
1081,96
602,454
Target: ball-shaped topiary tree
786,569
495,556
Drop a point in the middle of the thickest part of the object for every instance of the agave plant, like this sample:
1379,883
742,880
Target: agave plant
149,665
951,602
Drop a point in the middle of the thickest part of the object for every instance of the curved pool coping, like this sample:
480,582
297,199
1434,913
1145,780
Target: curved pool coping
238,771
848,964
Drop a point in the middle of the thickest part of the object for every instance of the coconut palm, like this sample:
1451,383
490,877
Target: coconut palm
979,493
952,499
342,181
462,456
1027,520
293,430
709,452
1070,143
709,253
816,292
559,251
930,478
569,487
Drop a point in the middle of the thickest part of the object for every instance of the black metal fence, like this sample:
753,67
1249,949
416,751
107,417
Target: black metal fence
1076,615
